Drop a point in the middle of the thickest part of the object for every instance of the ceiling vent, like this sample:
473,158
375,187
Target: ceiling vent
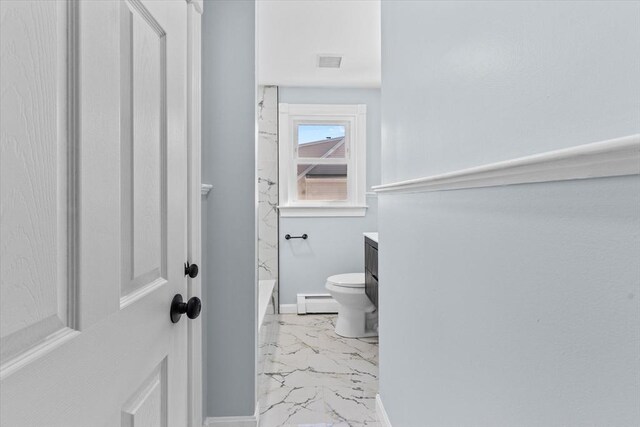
329,61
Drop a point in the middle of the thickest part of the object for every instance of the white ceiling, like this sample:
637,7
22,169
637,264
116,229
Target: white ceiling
292,33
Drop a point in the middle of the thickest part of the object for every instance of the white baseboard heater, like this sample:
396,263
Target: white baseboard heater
316,303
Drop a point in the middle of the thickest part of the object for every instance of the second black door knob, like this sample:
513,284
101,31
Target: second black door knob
191,270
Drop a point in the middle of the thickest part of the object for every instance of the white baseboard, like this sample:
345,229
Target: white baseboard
249,421
311,304
316,303
383,418
245,421
288,308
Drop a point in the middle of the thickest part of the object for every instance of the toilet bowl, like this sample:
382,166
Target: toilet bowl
357,316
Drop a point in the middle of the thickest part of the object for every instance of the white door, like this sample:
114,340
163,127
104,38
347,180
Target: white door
93,213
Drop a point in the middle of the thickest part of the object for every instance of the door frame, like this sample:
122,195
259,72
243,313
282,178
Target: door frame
194,213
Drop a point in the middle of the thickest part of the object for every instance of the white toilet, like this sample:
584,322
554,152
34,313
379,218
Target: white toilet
357,316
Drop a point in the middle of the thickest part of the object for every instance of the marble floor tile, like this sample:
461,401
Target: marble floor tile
294,405
315,378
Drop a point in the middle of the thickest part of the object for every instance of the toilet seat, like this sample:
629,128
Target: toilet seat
348,280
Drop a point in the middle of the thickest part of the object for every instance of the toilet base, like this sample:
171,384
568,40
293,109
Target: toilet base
356,323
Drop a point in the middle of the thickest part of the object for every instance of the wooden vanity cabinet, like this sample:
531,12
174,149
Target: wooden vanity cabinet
371,269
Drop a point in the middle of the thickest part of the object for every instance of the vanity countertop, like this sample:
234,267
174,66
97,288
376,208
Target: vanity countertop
372,236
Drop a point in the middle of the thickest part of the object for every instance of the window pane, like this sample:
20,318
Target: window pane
322,182
321,141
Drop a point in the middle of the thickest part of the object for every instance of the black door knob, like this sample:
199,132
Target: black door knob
192,308
191,270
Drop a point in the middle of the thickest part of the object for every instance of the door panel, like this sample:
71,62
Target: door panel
36,283
148,406
144,134
93,213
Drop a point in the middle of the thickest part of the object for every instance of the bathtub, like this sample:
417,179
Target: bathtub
267,335
265,300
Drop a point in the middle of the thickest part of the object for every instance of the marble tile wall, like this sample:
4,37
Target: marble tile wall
268,184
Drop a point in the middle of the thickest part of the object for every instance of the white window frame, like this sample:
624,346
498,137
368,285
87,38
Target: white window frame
354,117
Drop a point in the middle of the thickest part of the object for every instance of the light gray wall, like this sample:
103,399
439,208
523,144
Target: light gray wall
511,305
335,245
229,163
489,81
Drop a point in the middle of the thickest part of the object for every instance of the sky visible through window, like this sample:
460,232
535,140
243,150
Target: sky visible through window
310,133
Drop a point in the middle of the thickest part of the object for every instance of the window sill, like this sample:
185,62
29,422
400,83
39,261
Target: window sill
321,211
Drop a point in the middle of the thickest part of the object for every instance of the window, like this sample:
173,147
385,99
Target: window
322,180
322,160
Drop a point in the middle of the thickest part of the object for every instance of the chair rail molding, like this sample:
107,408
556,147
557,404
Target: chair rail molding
205,188
613,157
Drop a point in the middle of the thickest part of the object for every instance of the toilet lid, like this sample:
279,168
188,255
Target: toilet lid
349,280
